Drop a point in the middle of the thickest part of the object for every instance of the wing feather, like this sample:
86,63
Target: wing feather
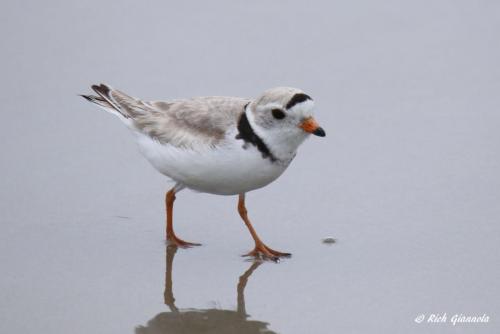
182,123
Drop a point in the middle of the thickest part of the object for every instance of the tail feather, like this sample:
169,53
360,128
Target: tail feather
116,101
98,100
104,93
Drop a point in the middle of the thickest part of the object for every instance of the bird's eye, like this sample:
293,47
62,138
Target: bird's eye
278,113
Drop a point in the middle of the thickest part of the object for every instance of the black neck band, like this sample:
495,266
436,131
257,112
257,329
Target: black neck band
246,133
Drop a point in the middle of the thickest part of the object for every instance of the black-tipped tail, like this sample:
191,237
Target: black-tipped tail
102,90
88,97
104,99
98,100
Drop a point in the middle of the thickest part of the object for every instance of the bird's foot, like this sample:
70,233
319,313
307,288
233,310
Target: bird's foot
172,240
262,251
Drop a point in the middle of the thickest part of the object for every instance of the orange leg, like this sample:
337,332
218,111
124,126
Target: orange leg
260,248
172,239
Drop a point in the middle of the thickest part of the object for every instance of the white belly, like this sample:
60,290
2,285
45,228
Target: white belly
228,169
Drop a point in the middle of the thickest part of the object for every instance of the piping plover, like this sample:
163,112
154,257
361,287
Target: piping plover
218,145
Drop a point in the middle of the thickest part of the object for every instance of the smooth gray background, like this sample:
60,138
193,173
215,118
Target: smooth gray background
407,179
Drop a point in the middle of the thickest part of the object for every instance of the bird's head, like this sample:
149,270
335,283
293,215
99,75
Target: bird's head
283,118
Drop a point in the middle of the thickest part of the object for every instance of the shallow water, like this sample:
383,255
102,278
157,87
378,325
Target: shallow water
406,182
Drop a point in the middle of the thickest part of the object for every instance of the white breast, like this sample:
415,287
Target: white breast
228,169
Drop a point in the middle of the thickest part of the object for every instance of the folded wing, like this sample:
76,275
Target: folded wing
182,123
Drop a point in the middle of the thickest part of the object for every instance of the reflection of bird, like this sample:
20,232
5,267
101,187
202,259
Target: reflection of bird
218,145
207,321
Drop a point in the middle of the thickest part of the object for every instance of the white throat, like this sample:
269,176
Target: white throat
283,146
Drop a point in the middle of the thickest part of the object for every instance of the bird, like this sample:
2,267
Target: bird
217,144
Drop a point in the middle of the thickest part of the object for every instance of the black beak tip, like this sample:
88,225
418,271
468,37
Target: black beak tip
319,132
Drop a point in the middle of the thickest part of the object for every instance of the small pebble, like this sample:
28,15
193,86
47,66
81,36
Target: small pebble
329,240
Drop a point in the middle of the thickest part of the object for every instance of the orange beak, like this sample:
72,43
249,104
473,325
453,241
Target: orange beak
310,125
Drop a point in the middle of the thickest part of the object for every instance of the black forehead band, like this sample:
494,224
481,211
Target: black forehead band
297,98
